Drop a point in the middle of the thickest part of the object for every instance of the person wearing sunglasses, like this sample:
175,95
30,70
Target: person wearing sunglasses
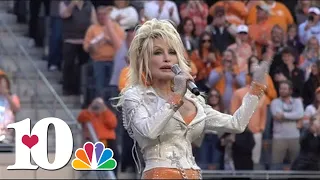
205,59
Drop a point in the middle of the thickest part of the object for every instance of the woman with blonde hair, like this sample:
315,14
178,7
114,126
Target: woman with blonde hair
162,115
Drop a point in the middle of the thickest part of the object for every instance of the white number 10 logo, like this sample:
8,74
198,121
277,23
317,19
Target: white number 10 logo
34,143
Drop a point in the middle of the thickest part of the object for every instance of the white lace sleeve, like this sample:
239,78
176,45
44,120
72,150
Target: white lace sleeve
236,123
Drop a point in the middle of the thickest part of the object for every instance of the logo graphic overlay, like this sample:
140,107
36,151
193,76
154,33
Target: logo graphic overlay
30,141
94,157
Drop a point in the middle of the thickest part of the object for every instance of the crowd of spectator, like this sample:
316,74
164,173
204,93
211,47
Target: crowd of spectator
223,41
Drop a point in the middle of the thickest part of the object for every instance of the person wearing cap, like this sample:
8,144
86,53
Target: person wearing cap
242,47
279,13
101,41
311,27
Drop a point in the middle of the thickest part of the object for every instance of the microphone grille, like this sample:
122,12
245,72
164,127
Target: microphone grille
176,69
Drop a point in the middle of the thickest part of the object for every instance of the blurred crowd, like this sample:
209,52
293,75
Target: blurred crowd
89,40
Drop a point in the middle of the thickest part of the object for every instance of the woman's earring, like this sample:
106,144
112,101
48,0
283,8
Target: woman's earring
172,85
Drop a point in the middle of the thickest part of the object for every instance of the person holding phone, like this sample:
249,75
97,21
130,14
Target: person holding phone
311,27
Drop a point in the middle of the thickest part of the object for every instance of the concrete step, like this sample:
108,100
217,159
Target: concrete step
15,63
37,114
10,42
50,102
8,18
51,76
14,50
11,47
18,29
36,87
49,99
57,106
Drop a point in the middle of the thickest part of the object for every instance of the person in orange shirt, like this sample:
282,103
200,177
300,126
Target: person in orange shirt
280,14
236,11
260,31
257,122
104,122
101,41
271,92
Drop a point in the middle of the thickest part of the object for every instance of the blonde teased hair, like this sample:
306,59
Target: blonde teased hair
141,50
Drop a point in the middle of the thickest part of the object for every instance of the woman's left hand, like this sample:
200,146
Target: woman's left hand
260,71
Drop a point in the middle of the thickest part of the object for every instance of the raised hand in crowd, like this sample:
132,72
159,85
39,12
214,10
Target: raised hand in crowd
260,71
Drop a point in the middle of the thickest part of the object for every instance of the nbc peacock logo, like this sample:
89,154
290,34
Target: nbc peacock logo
94,157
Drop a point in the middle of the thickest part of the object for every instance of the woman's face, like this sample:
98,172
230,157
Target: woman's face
227,59
3,84
162,59
305,4
292,32
318,96
288,58
188,27
214,97
314,69
313,43
206,41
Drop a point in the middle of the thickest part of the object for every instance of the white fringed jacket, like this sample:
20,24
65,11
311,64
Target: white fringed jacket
162,134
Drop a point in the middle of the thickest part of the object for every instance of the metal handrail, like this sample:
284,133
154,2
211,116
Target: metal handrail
41,75
93,135
260,174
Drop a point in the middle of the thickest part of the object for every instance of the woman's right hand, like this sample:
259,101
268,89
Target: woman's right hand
180,83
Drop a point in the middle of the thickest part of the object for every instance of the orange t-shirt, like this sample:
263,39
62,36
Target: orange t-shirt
257,121
202,68
260,34
279,15
104,123
236,11
106,51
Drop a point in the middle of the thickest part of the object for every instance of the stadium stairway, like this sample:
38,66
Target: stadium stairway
37,101
23,63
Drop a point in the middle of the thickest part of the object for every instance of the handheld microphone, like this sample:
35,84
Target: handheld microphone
190,85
